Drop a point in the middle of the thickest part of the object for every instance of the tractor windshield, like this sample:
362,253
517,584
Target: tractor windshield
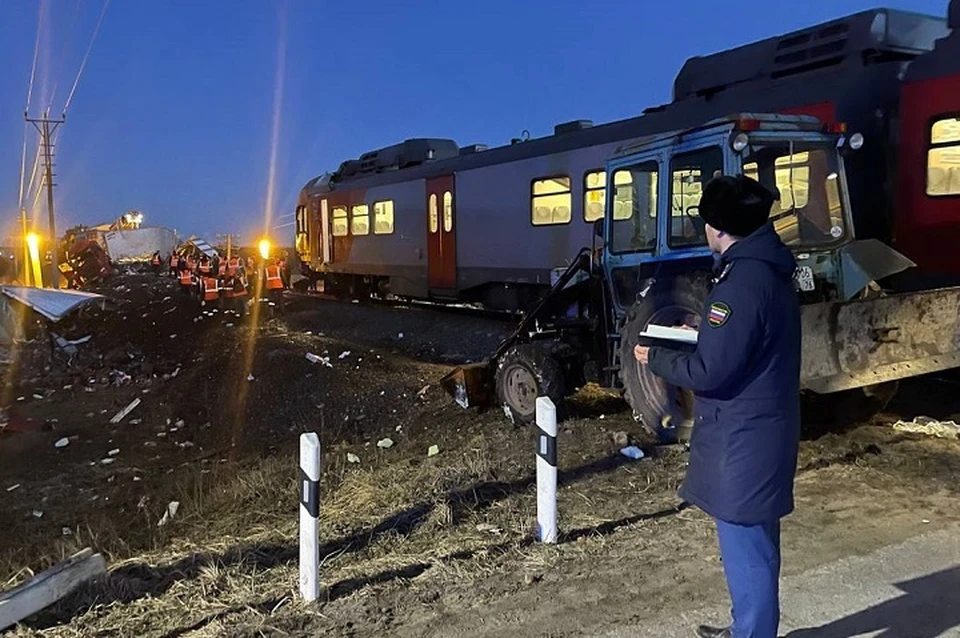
805,180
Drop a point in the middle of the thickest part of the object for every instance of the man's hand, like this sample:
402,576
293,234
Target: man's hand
641,354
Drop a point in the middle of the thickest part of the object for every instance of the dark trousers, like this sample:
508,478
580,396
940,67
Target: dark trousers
751,563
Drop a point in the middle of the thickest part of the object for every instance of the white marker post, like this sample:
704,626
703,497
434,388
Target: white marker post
309,513
546,470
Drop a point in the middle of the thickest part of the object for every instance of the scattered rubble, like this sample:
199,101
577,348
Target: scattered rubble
930,427
62,443
119,416
433,450
385,443
352,458
172,508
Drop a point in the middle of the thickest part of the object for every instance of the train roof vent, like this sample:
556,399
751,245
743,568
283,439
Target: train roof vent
412,152
855,39
570,127
473,148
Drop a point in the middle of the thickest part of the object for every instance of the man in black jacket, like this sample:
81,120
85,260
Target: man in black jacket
745,375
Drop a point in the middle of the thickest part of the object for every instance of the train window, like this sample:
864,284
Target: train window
360,219
434,215
383,217
550,201
943,158
301,220
791,176
689,173
635,208
339,222
447,211
594,194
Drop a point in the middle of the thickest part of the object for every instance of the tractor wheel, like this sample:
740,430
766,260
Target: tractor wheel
524,373
663,409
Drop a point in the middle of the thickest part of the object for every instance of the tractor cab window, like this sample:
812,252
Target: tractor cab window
634,203
689,173
808,210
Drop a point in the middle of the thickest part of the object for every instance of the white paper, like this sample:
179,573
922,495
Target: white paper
655,331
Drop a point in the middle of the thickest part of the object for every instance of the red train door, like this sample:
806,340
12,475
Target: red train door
441,233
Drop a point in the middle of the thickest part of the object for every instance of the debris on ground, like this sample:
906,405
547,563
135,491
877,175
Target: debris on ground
423,392
61,443
352,458
312,358
620,439
385,443
632,452
119,416
169,513
930,427
433,450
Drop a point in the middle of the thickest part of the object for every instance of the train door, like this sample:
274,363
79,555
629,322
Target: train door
441,234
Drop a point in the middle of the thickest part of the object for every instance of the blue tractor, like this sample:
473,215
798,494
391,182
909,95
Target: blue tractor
650,267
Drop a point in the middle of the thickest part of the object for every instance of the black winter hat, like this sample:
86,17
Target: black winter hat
735,205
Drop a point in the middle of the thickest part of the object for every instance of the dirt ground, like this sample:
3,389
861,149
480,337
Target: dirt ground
412,545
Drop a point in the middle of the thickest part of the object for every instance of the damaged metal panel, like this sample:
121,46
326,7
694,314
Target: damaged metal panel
868,260
51,304
859,343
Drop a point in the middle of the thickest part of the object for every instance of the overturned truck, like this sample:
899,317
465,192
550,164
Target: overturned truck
859,338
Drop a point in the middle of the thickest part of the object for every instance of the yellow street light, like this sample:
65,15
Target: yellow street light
264,247
33,244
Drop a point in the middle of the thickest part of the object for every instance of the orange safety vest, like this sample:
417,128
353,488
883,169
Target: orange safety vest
155,261
173,260
211,288
274,282
226,288
186,278
239,288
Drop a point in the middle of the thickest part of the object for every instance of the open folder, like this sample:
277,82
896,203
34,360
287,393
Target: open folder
669,333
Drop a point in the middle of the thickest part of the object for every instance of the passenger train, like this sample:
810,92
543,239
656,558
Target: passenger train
428,219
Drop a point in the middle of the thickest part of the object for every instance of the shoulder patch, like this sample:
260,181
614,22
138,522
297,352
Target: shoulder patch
718,314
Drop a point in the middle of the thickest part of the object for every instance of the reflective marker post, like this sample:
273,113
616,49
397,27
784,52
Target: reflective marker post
309,513
546,470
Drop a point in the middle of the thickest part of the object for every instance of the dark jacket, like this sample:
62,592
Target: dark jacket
745,375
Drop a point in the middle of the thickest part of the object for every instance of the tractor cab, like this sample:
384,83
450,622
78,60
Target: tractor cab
652,208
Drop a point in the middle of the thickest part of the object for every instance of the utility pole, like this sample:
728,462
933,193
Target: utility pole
46,127
229,237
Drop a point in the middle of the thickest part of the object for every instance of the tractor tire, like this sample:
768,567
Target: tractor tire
663,409
524,373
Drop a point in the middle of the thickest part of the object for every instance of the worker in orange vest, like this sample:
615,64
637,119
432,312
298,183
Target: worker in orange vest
239,292
173,264
273,281
226,290
156,262
209,289
204,267
187,281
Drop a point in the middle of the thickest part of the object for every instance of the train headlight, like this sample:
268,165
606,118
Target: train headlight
739,142
856,141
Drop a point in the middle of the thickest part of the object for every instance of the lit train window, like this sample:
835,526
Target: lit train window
943,158
434,215
360,219
594,194
550,201
447,211
623,207
383,217
339,224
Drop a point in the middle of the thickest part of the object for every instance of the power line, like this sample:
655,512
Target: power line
63,56
36,52
83,64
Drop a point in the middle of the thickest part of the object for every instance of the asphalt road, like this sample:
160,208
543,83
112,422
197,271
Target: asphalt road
910,590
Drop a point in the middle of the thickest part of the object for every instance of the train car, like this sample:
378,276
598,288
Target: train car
927,223
427,219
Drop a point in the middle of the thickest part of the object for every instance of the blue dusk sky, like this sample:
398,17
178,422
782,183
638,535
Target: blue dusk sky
207,115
